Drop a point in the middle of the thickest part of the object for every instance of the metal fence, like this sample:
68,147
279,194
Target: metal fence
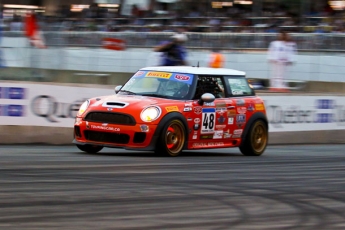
334,42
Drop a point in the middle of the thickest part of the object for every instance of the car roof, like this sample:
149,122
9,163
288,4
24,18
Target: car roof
196,70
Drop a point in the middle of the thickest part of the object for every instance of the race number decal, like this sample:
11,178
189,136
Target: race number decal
208,120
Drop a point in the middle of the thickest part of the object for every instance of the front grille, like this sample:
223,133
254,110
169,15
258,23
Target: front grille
111,118
117,138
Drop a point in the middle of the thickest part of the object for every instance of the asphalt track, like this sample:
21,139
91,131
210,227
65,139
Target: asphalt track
59,187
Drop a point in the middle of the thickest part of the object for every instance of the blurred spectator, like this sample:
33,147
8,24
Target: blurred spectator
135,11
281,53
216,59
173,51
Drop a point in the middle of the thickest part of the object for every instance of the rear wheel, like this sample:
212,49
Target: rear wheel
172,139
256,140
90,148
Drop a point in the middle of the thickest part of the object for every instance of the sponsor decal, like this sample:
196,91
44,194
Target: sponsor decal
105,127
227,134
230,120
218,134
139,73
251,108
231,112
196,126
12,110
181,77
109,109
48,108
325,104
209,104
188,104
240,118
238,131
208,120
242,109
259,107
209,136
222,104
114,44
228,101
197,110
326,111
195,137
189,119
236,136
158,74
187,109
209,144
197,120
220,110
171,108
221,119
237,92
240,102
220,126
15,93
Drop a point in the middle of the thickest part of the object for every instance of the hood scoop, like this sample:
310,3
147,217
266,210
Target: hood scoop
114,104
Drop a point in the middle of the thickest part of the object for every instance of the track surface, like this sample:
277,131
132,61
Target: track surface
59,187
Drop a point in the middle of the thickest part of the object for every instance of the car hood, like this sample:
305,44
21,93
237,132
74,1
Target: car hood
118,102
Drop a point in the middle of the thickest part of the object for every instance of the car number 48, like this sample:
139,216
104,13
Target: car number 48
208,120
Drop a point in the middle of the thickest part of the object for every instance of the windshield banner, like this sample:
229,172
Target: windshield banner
179,77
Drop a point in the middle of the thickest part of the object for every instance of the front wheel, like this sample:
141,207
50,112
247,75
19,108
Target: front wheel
172,139
90,148
255,140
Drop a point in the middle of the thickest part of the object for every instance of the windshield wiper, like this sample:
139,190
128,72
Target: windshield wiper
155,95
128,92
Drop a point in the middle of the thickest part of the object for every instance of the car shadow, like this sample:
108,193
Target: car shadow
189,153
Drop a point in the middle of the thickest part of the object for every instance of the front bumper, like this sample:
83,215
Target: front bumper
131,137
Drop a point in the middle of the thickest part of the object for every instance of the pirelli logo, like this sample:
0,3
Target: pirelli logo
159,75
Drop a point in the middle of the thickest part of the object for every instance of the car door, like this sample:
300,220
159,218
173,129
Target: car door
213,122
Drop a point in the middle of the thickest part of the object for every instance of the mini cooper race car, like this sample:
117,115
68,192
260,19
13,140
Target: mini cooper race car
171,109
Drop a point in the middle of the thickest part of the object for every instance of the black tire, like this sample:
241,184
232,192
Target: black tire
90,148
172,139
256,140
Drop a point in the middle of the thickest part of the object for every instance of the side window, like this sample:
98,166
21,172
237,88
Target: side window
209,84
239,86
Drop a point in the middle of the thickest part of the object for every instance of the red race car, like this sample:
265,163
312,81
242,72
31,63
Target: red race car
171,109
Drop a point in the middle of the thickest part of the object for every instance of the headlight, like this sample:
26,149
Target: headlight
83,107
150,113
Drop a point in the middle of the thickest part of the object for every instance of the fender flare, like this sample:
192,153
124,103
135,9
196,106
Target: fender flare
167,118
252,119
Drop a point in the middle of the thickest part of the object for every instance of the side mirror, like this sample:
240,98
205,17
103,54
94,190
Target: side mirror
117,88
206,97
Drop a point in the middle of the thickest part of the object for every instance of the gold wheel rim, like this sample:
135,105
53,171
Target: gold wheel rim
259,137
175,138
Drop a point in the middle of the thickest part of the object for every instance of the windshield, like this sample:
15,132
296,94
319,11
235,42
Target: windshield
159,84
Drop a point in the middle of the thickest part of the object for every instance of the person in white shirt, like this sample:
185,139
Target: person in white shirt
281,54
